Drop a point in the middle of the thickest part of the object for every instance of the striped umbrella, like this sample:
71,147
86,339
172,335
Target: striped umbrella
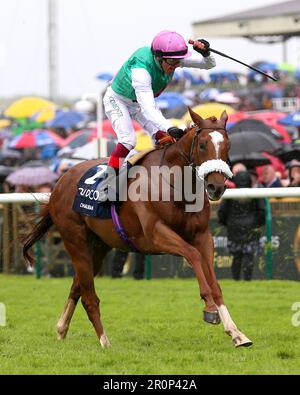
36,138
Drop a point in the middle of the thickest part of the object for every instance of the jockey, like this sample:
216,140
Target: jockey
142,78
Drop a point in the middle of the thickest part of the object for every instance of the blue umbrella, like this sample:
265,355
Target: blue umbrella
66,119
105,76
189,75
297,74
170,100
220,76
291,120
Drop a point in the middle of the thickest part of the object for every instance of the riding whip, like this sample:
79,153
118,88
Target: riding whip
238,61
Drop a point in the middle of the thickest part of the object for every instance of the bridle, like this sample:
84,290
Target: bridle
189,159
212,165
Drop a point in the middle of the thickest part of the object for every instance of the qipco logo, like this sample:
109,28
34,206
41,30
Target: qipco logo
2,314
296,315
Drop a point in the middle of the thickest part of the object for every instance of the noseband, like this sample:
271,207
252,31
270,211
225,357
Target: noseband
209,166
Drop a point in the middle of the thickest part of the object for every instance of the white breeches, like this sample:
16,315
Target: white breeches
120,111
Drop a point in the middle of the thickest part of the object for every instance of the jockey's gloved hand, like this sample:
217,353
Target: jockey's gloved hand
175,132
204,52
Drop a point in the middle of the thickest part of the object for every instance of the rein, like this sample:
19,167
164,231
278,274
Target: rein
189,158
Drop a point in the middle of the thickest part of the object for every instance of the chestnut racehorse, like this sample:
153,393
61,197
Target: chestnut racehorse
155,227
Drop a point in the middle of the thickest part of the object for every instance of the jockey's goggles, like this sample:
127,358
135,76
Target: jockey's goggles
172,62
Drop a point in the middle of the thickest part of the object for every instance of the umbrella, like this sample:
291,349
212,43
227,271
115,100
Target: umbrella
244,143
275,162
253,125
208,110
291,120
170,100
36,138
66,119
227,97
6,170
91,150
250,160
143,141
45,114
105,76
288,152
26,176
27,106
84,136
192,76
6,153
80,138
209,94
4,123
221,76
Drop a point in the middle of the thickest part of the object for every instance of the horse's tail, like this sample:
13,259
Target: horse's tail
37,233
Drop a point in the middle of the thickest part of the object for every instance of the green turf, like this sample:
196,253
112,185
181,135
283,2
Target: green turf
155,327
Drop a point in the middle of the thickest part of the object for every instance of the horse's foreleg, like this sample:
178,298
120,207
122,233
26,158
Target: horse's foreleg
238,338
63,323
165,240
204,242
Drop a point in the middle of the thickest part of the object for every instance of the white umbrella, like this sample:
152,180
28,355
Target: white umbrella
90,150
31,176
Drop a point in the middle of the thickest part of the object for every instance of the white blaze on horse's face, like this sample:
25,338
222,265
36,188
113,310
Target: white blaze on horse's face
216,138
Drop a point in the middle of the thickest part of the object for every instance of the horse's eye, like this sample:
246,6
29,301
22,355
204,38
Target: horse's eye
202,146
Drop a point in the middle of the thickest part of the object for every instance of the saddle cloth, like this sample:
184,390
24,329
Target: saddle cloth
86,200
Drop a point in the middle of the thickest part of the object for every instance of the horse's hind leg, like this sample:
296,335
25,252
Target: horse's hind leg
83,257
63,323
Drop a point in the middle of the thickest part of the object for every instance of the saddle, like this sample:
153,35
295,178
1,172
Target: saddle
91,200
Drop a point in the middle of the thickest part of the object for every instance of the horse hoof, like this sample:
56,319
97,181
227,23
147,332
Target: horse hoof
105,343
212,317
61,333
242,342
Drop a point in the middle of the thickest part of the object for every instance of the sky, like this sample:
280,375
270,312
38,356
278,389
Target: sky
97,36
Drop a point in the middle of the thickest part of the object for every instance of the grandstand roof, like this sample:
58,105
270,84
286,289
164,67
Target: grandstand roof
279,19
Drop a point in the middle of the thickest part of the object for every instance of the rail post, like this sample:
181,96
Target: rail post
148,267
269,253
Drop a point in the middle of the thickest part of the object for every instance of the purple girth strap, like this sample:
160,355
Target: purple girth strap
120,230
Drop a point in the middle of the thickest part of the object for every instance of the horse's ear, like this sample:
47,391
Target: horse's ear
224,117
195,117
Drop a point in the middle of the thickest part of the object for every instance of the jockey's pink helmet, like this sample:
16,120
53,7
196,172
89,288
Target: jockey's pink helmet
167,44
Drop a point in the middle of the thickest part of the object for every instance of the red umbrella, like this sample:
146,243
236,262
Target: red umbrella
82,137
237,116
275,162
270,118
36,138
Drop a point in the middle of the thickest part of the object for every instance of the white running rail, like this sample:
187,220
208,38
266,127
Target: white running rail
239,193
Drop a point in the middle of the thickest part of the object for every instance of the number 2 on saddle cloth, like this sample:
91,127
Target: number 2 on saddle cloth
88,199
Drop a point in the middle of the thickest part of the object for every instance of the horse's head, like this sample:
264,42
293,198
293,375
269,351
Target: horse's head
209,152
